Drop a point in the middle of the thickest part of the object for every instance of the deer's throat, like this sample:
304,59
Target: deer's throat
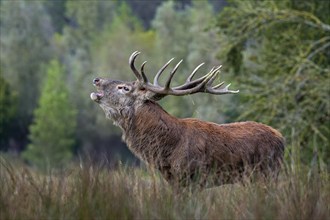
151,133
121,117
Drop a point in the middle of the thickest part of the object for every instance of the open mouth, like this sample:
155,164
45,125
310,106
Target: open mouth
97,96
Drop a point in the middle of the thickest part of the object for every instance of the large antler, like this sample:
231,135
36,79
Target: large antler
202,84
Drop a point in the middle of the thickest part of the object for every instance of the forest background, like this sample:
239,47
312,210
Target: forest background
275,52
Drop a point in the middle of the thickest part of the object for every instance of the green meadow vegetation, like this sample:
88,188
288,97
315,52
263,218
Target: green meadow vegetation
61,159
93,192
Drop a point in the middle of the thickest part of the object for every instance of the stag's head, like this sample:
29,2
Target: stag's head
119,98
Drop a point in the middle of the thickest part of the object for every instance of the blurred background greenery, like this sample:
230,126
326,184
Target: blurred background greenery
275,52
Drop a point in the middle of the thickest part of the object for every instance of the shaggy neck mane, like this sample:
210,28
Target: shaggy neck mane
149,128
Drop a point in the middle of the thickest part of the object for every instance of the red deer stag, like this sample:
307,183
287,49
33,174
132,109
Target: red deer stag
188,150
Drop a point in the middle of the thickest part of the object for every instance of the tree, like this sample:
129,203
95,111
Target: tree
185,34
144,10
90,46
279,50
87,21
52,132
25,33
8,107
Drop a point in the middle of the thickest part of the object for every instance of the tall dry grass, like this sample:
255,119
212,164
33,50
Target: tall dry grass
88,192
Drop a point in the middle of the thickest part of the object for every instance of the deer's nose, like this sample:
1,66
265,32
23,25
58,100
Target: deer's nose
96,81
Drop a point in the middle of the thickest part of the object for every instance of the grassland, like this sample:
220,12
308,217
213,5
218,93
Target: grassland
89,192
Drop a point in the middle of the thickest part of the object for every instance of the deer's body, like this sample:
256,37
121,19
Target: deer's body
187,149
180,148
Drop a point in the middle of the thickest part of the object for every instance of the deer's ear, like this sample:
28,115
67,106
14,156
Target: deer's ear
153,96
145,94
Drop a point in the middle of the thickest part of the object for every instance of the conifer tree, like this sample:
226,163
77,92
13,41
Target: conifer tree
8,107
25,33
51,133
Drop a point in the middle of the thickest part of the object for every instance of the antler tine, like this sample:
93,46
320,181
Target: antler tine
131,63
190,83
215,72
194,83
144,77
156,83
214,89
226,91
214,75
218,86
168,82
193,72
221,91
200,87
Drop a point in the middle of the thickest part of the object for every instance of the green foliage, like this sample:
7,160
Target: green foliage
87,21
8,108
56,10
126,30
109,61
25,33
185,34
52,132
279,52
144,10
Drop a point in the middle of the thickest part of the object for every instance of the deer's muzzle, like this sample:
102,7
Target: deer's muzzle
96,96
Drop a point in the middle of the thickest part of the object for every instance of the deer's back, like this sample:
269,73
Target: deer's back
230,146
238,139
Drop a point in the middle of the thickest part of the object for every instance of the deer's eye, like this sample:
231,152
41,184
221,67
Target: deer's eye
123,88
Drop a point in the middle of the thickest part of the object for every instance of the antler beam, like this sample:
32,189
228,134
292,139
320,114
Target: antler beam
202,84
